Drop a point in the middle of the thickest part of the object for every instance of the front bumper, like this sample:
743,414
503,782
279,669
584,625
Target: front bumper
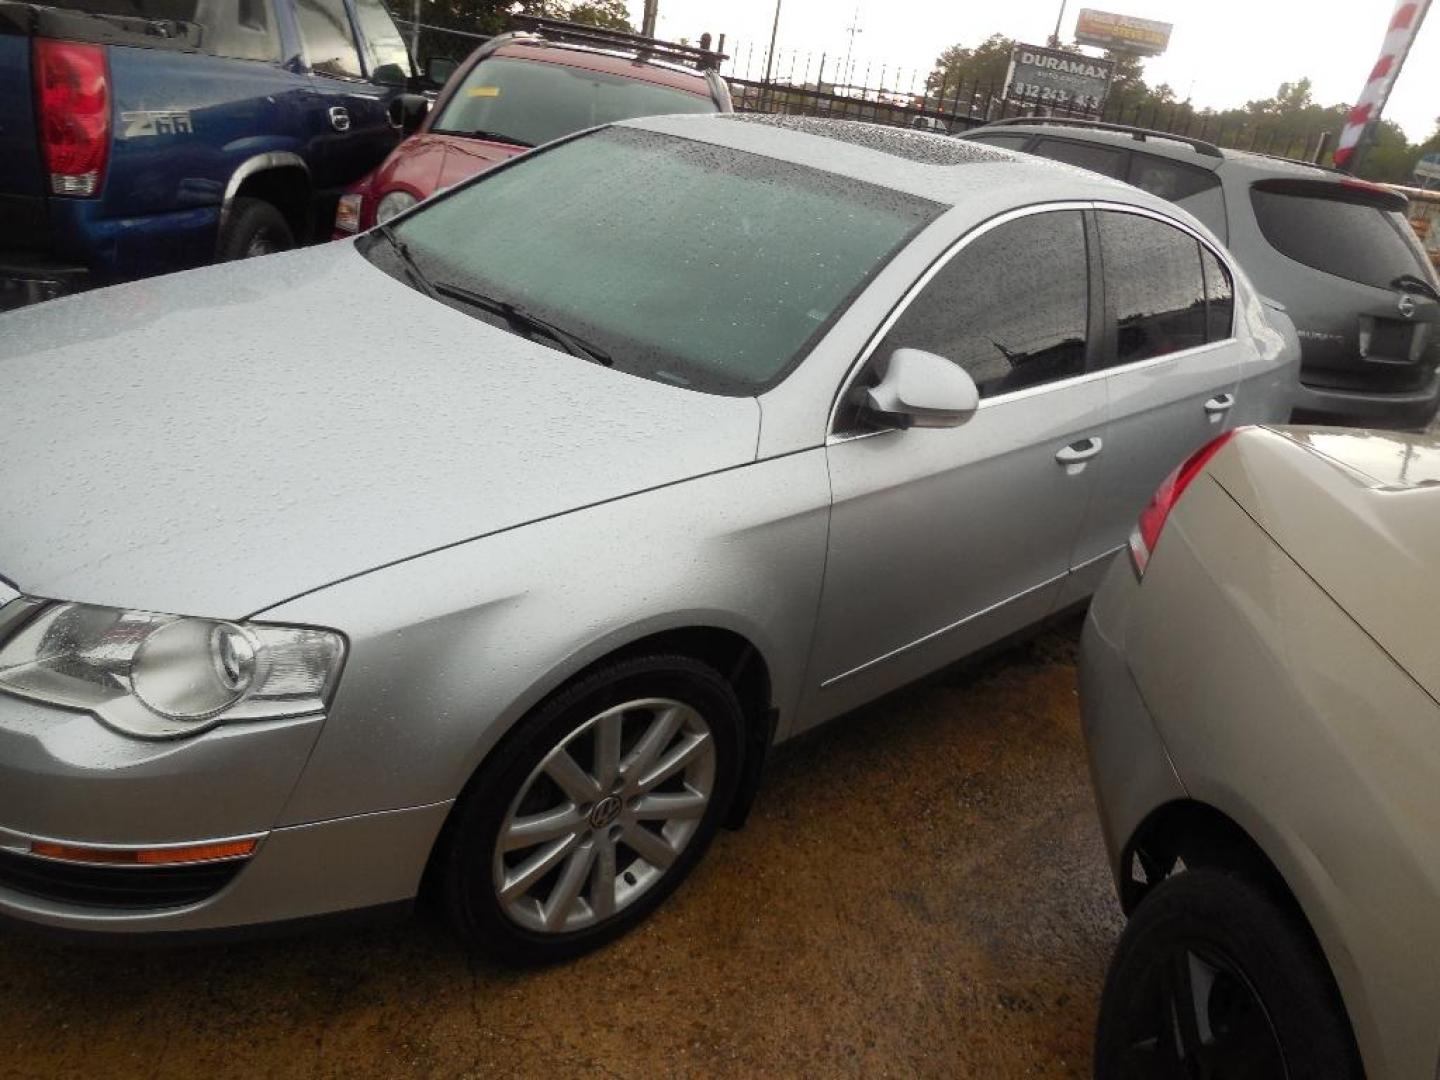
300,872
67,779
1408,410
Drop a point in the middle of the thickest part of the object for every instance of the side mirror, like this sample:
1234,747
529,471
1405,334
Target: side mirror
407,111
438,70
921,389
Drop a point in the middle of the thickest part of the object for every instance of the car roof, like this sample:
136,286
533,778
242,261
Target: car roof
936,167
610,62
1162,144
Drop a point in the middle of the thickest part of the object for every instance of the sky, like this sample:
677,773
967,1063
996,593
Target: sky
1222,52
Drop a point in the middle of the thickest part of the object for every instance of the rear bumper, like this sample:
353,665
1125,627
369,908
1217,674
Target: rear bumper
28,278
1129,766
1411,409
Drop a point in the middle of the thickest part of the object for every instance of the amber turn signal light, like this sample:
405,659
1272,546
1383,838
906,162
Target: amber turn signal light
166,856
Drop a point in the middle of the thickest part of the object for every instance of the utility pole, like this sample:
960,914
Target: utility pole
647,22
770,56
852,29
415,33
1055,37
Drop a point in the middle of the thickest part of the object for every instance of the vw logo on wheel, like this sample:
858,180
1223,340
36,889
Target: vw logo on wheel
606,811
1407,306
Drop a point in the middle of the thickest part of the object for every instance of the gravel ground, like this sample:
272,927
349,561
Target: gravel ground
921,890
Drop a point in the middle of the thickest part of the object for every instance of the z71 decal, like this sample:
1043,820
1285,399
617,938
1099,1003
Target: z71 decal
161,122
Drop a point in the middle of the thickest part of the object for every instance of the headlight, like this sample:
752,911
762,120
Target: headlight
394,203
347,212
158,676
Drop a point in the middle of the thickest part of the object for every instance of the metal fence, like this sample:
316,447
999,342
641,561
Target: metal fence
831,85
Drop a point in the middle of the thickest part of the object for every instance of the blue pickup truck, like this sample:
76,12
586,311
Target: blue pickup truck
139,137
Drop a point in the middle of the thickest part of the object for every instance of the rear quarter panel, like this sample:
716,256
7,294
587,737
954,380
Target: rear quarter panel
1281,713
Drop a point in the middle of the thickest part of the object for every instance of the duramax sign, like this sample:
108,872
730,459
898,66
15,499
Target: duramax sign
1122,33
1053,77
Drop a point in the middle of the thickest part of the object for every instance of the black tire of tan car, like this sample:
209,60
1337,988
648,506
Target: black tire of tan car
253,227
1215,971
466,849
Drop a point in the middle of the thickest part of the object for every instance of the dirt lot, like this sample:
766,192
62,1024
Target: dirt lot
921,891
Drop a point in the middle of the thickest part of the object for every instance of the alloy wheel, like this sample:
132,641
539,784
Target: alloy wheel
604,815
1202,1019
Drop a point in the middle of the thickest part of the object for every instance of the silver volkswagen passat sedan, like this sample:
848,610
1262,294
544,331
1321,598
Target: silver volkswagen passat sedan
1259,686
497,546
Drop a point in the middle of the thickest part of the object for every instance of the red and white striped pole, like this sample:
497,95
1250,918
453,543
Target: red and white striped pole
1404,25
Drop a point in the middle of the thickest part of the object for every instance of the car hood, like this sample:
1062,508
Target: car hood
425,163
218,441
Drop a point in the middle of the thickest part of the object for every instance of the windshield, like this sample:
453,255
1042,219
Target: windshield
684,262
530,102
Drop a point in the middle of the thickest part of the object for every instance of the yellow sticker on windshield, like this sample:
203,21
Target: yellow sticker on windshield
484,91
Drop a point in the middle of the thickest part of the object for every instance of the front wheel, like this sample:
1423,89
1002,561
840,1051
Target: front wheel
1215,978
593,810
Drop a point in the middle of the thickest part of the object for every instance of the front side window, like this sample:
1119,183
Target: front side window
529,102
684,262
385,51
1011,308
329,42
1154,286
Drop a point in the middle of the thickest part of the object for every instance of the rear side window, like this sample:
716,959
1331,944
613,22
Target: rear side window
385,51
240,30
1004,142
1219,298
1346,237
1154,285
329,42
1010,319
1092,156
1168,179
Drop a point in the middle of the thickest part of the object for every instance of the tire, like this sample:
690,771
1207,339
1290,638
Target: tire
1271,1004
253,227
568,909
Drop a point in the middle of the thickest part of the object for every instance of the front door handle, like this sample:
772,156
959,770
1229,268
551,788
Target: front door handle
1219,404
1080,451
340,118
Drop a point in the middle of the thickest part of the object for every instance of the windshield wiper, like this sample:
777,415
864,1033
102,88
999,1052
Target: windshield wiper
1415,283
412,268
494,136
518,317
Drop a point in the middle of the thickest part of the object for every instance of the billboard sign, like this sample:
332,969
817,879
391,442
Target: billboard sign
1052,77
1122,33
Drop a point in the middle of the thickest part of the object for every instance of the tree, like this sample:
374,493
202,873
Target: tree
611,14
987,63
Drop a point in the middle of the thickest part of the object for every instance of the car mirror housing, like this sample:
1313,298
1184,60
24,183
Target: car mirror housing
408,112
921,389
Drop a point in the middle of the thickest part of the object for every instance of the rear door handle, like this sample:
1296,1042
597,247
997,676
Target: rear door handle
1080,451
1219,404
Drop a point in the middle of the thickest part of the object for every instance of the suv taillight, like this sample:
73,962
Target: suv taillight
72,101
1146,533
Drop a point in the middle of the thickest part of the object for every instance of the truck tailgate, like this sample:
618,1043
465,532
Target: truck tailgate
21,172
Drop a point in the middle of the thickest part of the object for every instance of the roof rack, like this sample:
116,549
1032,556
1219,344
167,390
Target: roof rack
1139,134
646,48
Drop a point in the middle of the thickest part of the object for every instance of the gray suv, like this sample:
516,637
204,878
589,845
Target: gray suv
1336,251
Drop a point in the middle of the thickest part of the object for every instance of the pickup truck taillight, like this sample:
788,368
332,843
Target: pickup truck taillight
72,101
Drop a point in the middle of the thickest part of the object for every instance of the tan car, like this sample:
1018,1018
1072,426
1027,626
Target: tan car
1259,686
